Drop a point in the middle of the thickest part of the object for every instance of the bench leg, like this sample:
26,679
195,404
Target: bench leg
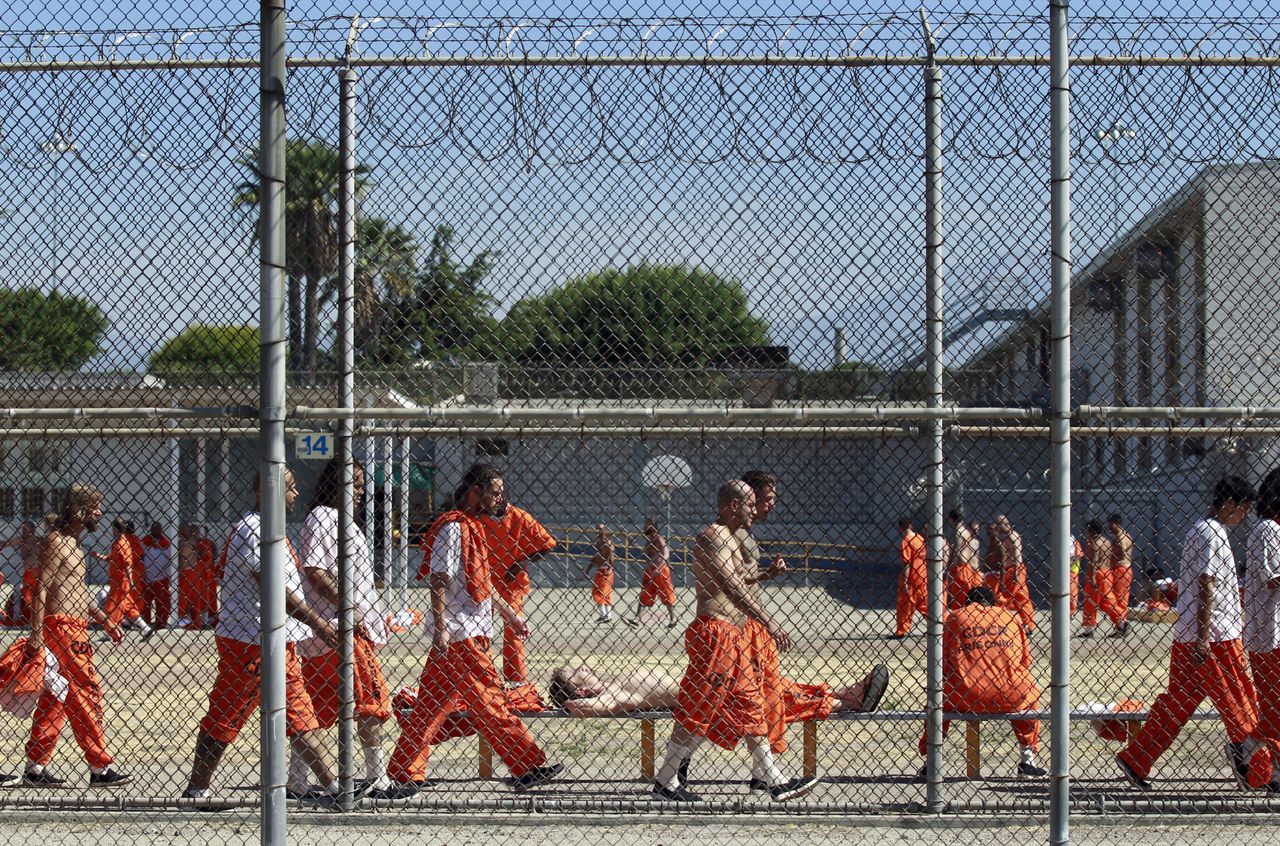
486,757
811,749
973,749
1131,729
646,750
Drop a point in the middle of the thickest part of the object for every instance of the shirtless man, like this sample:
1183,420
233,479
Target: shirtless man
1117,606
600,569
720,697
1097,575
61,610
655,583
583,692
964,569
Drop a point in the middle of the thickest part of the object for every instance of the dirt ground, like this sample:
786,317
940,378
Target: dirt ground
156,694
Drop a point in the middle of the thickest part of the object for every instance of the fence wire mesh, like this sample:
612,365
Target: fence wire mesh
585,272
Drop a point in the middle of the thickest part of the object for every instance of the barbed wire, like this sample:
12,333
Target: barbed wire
878,35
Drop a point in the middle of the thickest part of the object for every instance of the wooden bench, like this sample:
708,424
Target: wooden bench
1133,721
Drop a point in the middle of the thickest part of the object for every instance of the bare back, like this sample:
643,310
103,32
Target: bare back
718,555
966,548
62,577
1098,553
1122,549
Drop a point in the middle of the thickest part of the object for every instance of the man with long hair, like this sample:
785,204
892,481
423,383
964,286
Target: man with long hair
459,674
61,610
321,544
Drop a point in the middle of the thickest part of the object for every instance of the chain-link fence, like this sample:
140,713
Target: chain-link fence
679,410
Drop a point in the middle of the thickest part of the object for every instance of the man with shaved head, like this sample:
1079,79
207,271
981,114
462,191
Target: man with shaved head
720,697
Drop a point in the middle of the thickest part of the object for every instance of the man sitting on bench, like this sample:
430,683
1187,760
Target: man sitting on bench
986,669
583,692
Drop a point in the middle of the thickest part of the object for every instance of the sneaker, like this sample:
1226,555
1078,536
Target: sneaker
1131,775
147,632
44,778
922,775
757,784
293,795
682,772
319,799
5,778
1086,633
182,623
111,778
400,790
635,624
190,805
679,793
1031,771
793,789
535,777
1237,763
876,686
1121,630
1272,787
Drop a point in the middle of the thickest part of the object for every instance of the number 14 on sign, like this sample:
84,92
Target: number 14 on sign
317,445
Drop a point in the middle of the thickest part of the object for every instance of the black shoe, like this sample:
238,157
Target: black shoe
897,637
44,778
679,793
1086,633
1031,771
876,687
203,809
298,796
1272,787
1237,763
110,778
5,778
635,624
793,789
1121,630
319,799
682,772
922,777
1131,776
757,784
535,777
400,790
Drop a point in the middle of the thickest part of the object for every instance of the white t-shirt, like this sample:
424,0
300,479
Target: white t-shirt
320,551
1262,604
158,562
240,615
1206,550
465,618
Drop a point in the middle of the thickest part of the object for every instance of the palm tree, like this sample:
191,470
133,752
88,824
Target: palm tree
386,261
312,171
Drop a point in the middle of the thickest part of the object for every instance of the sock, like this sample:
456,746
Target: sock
375,764
668,773
34,768
608,612
196,793
299,774
756,772
762,758
1028,756
99,770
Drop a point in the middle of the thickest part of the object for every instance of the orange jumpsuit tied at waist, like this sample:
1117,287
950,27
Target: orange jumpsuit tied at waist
986,669
512,539
602,586
720,697
913,590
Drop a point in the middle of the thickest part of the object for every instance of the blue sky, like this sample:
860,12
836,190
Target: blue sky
804,185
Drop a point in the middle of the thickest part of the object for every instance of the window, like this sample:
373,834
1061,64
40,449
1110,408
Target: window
33,503
6,504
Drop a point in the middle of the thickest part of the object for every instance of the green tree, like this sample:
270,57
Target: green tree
312,172
643,316
448,311
48,332
386,265
201,351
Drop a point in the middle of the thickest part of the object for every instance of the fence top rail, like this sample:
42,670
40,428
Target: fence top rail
878,413
994,60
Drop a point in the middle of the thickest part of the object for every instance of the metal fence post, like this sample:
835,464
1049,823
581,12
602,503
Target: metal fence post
933,349
1060,420
346,428
402,526
271,406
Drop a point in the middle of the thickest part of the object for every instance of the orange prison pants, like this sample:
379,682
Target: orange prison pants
1096,590
68,639
523,699
720,697
372,698
656,585
913,597
1117,598
602,587
155,603
763,652
237,690
1266,680
805,702
1222,678
190,594
463,679
1075,591
123,601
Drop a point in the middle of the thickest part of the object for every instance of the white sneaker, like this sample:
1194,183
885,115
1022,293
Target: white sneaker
182,621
